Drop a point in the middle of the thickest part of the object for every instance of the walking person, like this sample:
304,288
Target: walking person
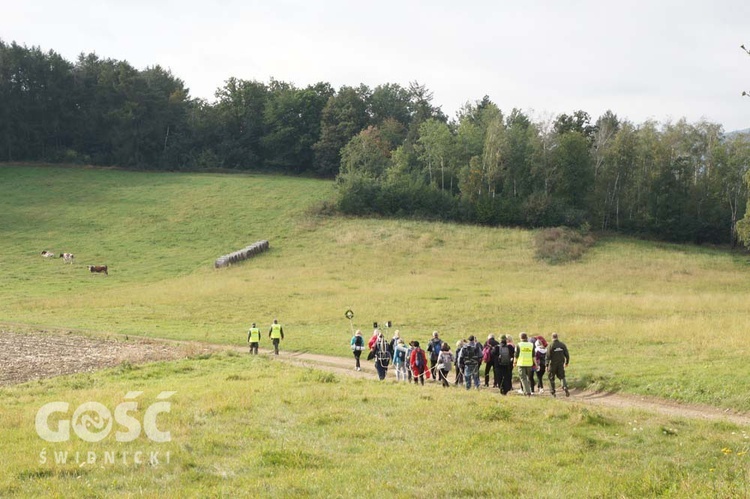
540,353
445,363
512,346
253,339
276,333
418,363
470,357
489,357
505,354
357,344
525,363
433,348
400,360
557,360
459,366
383,355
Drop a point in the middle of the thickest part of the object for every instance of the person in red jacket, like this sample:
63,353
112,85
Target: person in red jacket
418,363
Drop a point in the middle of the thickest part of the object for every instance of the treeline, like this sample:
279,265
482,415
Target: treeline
106,112
393,152
674,181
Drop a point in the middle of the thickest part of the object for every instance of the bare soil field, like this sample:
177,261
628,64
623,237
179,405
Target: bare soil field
36,355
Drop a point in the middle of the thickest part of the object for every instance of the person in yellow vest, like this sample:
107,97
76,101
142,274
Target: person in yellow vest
276,333
253,338
525,362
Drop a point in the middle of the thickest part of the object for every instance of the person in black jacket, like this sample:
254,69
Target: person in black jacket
557,360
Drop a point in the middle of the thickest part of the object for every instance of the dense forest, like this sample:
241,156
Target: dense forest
391,150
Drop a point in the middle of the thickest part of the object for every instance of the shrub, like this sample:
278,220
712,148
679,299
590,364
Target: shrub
562,244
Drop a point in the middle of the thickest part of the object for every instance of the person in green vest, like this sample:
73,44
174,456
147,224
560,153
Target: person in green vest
525,362
253,338
276,333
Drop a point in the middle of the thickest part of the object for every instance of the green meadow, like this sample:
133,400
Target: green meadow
638,317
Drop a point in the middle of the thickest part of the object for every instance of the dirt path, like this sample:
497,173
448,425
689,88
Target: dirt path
615,400
43,354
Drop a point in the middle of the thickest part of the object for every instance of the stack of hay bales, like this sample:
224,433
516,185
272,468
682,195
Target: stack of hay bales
243,254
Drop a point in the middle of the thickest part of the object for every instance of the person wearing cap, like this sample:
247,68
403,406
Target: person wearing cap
525,362
418,364
276,333
557,360
253,338
434,347
358,344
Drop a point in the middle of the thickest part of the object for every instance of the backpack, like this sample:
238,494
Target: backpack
470,355
435,347
487,353
447,361
400,355
504,355
419,359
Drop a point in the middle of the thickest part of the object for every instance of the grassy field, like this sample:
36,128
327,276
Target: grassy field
638,317
642,317
253,427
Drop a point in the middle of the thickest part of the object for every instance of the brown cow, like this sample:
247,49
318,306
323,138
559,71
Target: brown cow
98,269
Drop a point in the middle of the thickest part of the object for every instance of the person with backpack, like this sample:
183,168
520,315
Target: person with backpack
471,356
504,367
525,362
557,360
433,348
459,367
383,355
489,357
445,363
399,360
357,344
418,363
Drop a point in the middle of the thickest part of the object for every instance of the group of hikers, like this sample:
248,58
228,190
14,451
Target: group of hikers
532,356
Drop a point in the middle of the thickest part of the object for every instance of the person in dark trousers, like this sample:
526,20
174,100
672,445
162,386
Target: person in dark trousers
459,366
383,355
276,333
505,355
434,347
357,344
557,359
490,361
253,339
418,364
445,363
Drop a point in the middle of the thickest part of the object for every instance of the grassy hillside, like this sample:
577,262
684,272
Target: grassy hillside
646,318
253,427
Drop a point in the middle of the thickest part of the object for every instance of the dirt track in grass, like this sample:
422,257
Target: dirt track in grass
41,354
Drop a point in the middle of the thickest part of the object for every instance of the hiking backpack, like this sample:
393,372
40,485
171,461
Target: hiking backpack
504,355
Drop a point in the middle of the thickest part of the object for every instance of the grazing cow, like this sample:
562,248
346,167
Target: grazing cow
67,257
48,254
98,269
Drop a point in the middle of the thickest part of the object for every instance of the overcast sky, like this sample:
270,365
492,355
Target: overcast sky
642,59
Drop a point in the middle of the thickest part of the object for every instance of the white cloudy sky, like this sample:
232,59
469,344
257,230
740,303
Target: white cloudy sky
642,59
